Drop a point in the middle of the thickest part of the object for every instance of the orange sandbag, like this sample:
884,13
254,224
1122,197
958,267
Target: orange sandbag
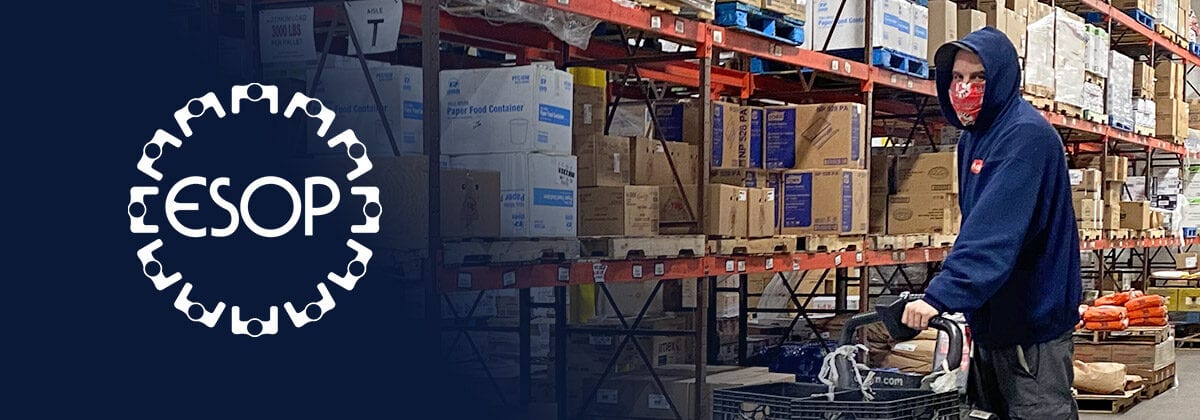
1148,322
1105,313
1106,325
1151,312
1144,302
1116,299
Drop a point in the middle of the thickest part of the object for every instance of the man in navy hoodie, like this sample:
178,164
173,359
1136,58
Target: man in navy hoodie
1014,269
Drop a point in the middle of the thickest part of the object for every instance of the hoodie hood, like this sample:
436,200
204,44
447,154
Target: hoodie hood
1000,66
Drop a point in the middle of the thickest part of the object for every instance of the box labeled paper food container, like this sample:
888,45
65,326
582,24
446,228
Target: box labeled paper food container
825,136
345,91
825,202
506,110
537,192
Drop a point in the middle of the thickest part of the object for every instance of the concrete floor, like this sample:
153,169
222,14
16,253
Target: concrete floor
1180,403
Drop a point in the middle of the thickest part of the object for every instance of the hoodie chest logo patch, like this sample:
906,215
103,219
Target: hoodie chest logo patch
976,166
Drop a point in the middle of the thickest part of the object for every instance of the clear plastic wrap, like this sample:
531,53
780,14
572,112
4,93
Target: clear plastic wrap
1039,62
1070,40
1097,51
1093,97
573,29
1120,89
1143,113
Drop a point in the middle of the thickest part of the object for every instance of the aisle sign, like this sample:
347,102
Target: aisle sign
286,35
377,24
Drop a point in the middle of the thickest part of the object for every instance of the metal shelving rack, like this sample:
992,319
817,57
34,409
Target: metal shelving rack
888,96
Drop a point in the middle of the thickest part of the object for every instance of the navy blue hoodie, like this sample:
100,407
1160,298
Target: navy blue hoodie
1014,269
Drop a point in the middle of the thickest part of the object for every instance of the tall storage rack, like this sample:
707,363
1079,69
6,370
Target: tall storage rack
888,96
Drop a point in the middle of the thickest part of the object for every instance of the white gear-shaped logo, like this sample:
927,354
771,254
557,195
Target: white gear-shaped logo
156,272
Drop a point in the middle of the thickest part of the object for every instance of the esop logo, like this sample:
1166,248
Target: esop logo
209,104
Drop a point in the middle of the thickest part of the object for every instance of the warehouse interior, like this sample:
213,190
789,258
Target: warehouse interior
673,208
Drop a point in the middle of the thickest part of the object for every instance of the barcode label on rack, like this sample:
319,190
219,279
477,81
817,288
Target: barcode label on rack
657,402
509,278
770,263
598,270
655,22
659,269
728,266
637,271
741,266
564,274
464,280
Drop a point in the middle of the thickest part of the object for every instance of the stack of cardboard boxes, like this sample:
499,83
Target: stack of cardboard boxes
1144,107
1096,190
925,199
516,121
1171,110
1086,198
1010,17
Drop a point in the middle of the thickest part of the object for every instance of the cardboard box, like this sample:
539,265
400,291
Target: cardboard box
683,391
507,110
470,203
920,28
603,160
630,120
648,159
1171,293
1113,192
1189,300
923,213
943,25
1168,79
761,212
1143,5
850,28
1171,118
1194,114
623,211
1085,179
345,91
1111,219
927,173
1143,80
403,195
880,168
825,136
537,192
1089,211
795,8
750,137
1139,359
970,20
681,122
811,206
672,208
589,109
725,213
1014,27
1186,260
1135,215
754,178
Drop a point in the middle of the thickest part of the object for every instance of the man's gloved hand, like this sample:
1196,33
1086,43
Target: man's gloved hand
917,314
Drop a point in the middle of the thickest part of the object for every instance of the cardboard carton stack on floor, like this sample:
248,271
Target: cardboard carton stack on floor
819,153
516,121
1171,109
926,196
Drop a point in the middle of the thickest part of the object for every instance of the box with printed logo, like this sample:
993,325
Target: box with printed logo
825,202
920,30
681,122
750,136
345,91
923,213
890,28
603,160
754,178
760,217
649,165
507,110
927,173
825,136
537,192
625,211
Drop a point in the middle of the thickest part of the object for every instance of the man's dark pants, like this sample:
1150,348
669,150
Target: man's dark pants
1027,381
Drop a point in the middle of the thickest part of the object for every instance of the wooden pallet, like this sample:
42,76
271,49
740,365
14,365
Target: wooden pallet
1131,335
660,6
1165,31
760,246
1156,233
478,252
1090,234
622,247
1095,117
832,243
1039,102
942,239
1117,234
1158,376
1068,110
898,242
1156,389
1143,131
1107,404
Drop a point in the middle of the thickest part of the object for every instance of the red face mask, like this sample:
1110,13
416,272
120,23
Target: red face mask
967,100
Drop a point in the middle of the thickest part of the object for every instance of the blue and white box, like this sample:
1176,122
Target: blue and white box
506,110
537,192
345,91
890,26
